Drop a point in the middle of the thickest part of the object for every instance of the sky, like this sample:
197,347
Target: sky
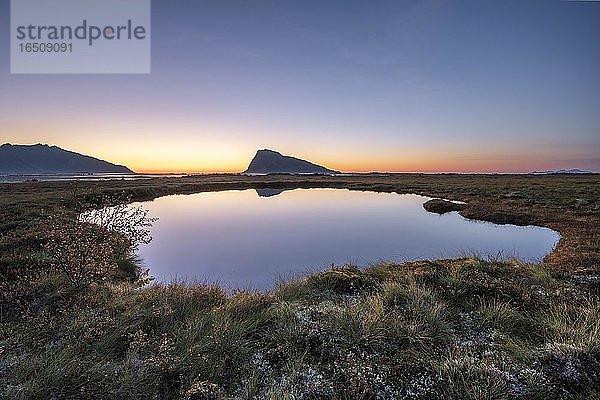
400,86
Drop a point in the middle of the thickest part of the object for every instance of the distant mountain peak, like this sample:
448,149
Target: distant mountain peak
16,159
563,171
268,161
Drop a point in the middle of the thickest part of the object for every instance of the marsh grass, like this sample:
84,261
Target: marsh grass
417,330
576,325
466,328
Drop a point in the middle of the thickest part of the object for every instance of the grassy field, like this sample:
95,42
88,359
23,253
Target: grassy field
446,329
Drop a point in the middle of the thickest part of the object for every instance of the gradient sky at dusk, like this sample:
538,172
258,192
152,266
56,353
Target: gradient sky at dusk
432,86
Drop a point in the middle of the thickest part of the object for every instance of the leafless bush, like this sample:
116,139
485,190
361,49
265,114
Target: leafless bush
131,222
87,250
86,253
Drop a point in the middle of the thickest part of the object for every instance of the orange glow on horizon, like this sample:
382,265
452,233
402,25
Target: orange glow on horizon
416,165
157,155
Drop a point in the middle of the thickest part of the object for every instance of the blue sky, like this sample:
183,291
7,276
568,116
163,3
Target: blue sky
380,85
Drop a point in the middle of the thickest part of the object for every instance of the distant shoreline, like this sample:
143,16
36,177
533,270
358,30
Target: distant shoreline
22,178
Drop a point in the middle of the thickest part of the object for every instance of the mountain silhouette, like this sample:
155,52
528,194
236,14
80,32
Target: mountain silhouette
44,159
563,171
271,162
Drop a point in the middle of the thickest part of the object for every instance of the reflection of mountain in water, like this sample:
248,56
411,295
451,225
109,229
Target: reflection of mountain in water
268,192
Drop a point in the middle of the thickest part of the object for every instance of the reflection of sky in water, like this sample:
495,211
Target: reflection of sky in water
245,241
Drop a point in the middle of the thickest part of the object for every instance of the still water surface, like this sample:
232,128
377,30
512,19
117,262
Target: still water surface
249,239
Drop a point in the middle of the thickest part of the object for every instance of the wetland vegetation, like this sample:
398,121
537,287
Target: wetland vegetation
456,328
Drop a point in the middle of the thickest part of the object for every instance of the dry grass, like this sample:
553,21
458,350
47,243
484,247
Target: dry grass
445,329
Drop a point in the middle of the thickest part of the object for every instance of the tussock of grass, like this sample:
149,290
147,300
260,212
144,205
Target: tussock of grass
576,325
347,280
440,206
448,330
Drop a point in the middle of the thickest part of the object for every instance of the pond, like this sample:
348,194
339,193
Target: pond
250,239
